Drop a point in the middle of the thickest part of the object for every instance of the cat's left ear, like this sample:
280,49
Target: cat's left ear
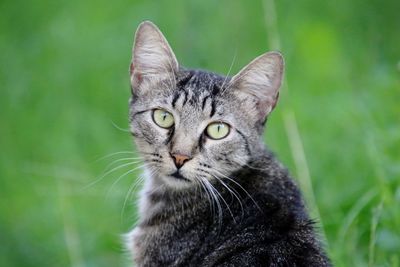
152,57
258,84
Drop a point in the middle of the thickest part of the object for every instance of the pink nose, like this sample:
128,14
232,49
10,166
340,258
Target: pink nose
180,159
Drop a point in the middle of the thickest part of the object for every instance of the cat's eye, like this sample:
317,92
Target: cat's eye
217,130
163,118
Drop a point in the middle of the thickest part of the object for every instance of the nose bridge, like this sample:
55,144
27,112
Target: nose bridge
184,142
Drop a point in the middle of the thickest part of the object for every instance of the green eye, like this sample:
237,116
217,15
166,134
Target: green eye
163,118
217,130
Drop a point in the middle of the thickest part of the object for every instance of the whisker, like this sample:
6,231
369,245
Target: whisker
113,154
215,197
137,160
229,71
123,175
223,199
241,187
104,175
119,128
242,163
212,206
232,191
238,77
138,181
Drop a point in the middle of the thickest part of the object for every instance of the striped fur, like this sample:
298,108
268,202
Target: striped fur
232,204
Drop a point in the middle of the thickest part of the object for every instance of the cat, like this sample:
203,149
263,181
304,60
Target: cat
214,195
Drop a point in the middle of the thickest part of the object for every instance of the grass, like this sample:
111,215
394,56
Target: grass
63,108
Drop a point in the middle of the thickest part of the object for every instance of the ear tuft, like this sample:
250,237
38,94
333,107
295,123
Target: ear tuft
152,56
260,80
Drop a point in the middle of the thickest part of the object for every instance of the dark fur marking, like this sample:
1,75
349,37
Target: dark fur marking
186,97
176,97
138,113
215,89
147,137
192,101
245,141
170,135
204,102
144,138
199,169
213,107
181,83
202,140
205,165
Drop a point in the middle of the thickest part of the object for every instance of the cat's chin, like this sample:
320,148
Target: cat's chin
179,176
176,181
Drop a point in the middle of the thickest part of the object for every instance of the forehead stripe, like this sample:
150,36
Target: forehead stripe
213,107
186,97
175,98
204,102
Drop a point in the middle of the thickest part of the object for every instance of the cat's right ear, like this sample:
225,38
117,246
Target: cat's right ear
152,58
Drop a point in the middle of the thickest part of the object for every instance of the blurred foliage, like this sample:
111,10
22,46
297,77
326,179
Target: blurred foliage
64,93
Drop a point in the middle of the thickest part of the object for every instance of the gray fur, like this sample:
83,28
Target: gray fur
235,205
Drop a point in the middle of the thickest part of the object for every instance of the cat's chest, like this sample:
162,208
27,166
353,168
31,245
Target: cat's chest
173,240
169,234
141,239
145,235
161,239
163,244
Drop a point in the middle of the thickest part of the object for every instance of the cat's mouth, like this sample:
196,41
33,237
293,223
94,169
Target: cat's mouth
179,176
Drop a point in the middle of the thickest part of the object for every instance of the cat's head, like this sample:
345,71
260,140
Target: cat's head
191,125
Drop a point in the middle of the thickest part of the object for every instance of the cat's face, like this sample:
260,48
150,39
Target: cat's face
192,126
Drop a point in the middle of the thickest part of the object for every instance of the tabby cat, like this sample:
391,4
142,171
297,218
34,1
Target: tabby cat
213,194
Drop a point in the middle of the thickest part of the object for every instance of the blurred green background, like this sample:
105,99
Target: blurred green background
64,103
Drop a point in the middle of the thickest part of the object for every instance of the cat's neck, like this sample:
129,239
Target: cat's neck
157,198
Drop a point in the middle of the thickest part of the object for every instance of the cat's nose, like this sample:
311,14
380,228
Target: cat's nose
180,159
